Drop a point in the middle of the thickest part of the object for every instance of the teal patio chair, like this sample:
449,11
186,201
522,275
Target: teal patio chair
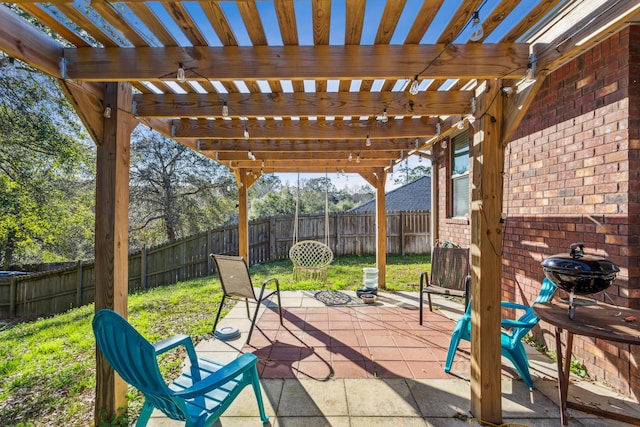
198,397
511,335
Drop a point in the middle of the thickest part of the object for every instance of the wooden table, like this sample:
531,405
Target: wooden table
603,321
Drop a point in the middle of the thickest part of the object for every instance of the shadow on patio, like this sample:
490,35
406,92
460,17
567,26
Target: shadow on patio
372,365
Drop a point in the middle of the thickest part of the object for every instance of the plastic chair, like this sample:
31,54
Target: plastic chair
310,260
511,341
198,397
236,283
449,271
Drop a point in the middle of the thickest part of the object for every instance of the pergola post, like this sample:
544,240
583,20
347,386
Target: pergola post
381,230
112,233
486,255
243,215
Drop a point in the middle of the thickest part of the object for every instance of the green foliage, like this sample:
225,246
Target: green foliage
405,174
44,167
175,191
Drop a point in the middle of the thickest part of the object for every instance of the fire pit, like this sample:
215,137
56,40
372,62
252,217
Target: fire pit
579,273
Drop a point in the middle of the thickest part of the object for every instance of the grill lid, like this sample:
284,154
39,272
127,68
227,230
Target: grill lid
579,272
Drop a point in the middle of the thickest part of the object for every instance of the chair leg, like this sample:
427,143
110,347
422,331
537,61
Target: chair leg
520,361
255,383
421,306
253,321
279,306
453,344
218,314
429,298
145,414
246,302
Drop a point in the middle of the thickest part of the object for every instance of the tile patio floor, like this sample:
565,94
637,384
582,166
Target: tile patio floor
352,365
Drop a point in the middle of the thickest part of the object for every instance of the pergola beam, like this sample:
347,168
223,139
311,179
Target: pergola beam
22,41
229,63
303,129
289,145
336,104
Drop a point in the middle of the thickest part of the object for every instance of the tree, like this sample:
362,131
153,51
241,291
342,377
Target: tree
406,174
175,191
45,164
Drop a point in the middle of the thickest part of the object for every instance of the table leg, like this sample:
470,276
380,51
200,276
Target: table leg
564,369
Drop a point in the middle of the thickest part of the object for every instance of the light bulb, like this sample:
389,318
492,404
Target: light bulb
181,76
350,158
368,141
246,133
107,112
529,75
385,118
443,144
476,28
225,110
413,89
460,124
250,155
358,158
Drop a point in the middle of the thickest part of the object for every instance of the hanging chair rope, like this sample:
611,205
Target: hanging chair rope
326,208
311,258
295,220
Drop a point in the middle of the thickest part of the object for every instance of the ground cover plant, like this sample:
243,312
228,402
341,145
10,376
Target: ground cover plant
47,366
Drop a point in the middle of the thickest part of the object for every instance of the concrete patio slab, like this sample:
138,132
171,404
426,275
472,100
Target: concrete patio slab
358,365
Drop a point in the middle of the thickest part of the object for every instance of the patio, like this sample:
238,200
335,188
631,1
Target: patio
358,365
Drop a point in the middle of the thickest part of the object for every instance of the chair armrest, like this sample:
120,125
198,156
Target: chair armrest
264,286
175,341
527,319
424,280
516,306
222,376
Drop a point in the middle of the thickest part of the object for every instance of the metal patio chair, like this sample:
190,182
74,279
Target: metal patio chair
449,271
236,283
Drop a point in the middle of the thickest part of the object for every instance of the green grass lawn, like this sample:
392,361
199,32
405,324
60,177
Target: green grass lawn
47,367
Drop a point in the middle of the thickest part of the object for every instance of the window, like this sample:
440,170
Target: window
460,175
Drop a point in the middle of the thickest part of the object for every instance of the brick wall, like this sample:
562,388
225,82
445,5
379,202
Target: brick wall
573,175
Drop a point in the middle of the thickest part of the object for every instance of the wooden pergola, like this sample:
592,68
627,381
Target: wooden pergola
309,86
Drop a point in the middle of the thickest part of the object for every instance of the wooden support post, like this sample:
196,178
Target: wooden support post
112,222
79,286
381,230
243,215
486,255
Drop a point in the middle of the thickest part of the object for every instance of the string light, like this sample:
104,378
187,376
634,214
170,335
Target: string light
350,158
413,89
368,141
181,76
225,110
529,75
477,32
246,133
107,112
385,118
358,158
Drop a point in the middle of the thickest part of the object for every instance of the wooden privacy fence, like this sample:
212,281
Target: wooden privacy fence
54,292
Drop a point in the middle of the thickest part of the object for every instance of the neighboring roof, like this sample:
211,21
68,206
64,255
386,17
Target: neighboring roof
414,196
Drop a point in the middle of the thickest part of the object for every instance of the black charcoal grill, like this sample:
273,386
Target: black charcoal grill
579,273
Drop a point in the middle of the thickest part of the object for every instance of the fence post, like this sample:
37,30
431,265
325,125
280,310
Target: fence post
79,289
337,216
272,239
13,282
209,251
402,233
143,267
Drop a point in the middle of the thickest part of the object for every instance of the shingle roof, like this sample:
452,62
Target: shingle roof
414,196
